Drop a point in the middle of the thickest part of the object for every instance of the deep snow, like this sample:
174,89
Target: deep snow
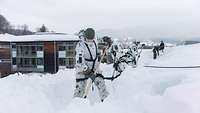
137,90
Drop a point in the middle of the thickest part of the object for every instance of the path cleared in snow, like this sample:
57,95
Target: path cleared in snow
137,90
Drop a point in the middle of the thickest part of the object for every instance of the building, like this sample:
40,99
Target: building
42,52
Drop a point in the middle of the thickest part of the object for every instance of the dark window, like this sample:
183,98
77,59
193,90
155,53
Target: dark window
33,61
14,46
40,61
39,48
26,50
62,61
70,62
18,51
27,62
20,62
33,50
14,61
61,48
70,48
70,53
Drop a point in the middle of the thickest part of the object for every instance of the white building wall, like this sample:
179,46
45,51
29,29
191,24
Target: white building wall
40,54
62,67
14,53
40,66
61,54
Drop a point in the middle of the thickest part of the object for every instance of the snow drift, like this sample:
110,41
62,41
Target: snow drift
137,90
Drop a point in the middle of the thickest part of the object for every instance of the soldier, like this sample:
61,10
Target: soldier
154,52
162,46
87,59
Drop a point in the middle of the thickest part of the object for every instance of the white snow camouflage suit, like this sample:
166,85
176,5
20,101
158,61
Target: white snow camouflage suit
87,59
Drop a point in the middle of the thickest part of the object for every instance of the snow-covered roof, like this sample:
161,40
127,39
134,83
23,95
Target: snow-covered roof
38,37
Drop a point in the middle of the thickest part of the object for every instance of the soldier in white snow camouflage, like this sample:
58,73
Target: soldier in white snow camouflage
87,59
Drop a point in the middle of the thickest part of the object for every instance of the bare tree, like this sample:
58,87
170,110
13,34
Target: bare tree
25,29
6,27
4,24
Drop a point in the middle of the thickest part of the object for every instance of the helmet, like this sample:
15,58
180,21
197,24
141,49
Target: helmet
89,33
107,40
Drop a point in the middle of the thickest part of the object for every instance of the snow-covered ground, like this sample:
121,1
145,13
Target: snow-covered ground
137,90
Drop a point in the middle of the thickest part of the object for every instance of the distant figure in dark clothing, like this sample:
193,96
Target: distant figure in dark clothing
157,49
154,52
162,46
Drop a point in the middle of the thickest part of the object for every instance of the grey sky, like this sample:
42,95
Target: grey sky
138,18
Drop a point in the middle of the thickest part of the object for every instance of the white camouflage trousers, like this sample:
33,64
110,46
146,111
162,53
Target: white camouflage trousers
98,81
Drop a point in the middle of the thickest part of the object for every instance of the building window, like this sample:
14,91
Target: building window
70,53
70,47
26,50
24,62
33,50
39,48
40,61
2,45
62,61
33,61
70,62
14,46
61,48
27,62
13,61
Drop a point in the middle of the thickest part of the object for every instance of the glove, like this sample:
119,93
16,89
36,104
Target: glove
82,69
85,68
87,72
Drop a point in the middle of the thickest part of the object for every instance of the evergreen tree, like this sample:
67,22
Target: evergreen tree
43,29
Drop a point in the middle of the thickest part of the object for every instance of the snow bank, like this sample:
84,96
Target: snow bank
187,55
31,93
137,90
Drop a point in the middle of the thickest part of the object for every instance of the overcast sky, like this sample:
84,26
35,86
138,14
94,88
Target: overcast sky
139,18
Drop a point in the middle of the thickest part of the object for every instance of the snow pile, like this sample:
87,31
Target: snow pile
31,93
137,90
187,55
